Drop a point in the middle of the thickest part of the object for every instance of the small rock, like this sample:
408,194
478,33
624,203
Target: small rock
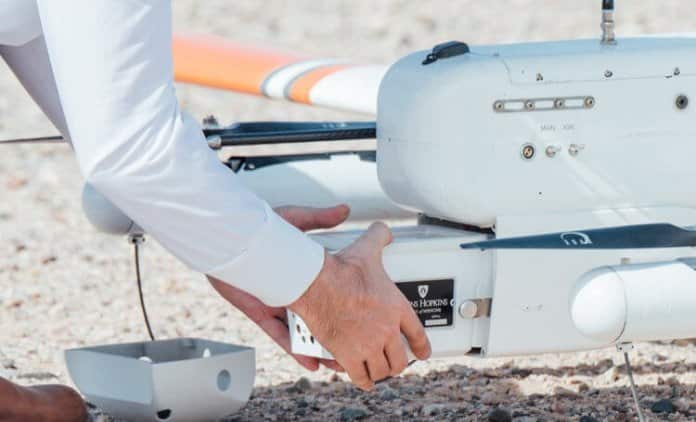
663,406
583,388
672,381
558,407
353,413
499,415
564,392
682,404
433,409
302,385
521,372
40,376
8,364
588,419
490,397
388,394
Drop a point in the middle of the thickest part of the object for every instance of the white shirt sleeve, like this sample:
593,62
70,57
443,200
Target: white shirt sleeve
113,67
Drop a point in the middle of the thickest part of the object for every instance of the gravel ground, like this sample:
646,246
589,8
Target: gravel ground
63,285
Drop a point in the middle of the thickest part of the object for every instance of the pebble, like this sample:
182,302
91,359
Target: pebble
388,394
39,376
302,385
588,419
434,409
490,397
663,406
564,392
353,413
499,415
521,372
8,364
682,404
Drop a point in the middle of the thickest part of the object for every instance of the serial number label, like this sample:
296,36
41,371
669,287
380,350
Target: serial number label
432,300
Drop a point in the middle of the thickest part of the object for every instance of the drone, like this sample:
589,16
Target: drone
551,182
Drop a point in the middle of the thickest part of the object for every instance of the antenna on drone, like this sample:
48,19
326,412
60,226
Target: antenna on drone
608,24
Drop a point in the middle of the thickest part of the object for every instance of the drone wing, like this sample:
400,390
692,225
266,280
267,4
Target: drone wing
219,63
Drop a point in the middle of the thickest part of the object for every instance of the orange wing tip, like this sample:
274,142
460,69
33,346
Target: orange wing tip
219,63
299,90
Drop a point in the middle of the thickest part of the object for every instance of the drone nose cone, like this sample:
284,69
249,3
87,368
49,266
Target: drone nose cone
598,305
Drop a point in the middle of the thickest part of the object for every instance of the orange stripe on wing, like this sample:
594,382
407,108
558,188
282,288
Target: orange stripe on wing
218,63
302,86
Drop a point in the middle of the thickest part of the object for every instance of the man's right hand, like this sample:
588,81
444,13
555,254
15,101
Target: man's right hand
358,314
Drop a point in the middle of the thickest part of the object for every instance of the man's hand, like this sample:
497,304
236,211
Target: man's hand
273,321
358,314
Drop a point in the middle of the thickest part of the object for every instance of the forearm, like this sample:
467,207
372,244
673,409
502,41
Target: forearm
113,67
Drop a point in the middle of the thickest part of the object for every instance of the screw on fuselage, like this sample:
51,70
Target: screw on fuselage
682,102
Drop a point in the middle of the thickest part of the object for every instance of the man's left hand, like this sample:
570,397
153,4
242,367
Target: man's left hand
273,321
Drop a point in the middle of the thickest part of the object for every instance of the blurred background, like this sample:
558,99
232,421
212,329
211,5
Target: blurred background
64,285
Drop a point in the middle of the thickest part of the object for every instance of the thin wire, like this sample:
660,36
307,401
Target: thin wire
49,139
629,371
136,246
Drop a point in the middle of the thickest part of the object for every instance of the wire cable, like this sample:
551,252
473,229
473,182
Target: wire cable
634,392
136,240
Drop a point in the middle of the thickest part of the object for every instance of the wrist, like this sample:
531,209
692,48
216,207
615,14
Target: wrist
304,304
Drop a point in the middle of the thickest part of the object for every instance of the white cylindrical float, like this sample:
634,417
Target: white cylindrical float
341,179
642,302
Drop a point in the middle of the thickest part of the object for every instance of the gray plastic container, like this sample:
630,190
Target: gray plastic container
184,379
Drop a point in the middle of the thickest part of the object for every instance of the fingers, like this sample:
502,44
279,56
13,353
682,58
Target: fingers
377,237
332,364
396,355
412,328
378,368
309,363
357,371
307,218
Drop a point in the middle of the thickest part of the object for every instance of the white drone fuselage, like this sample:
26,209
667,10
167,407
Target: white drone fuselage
539,138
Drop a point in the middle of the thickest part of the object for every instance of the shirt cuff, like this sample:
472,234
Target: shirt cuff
278,266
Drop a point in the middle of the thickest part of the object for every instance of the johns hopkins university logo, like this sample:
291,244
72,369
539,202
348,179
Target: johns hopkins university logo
423,290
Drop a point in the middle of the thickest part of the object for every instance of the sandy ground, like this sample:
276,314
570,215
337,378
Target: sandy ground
63,285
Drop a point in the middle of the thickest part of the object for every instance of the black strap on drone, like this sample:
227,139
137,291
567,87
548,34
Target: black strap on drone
265,133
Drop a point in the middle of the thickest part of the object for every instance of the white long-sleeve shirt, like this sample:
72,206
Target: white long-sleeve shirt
109,88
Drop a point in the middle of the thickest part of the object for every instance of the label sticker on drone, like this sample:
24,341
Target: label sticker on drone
433,300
